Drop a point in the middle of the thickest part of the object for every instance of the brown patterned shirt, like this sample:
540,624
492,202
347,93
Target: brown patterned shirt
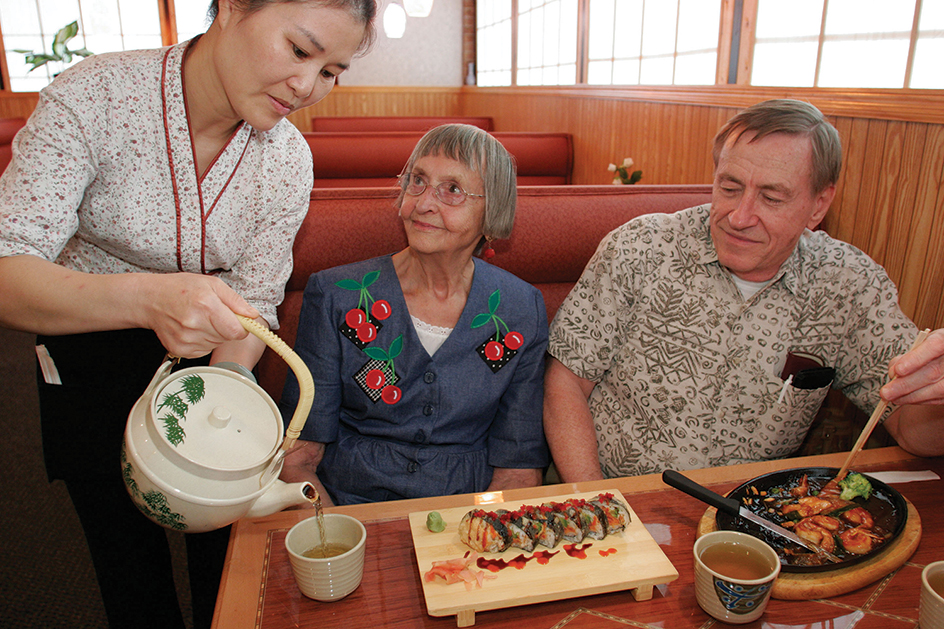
103,180
687,372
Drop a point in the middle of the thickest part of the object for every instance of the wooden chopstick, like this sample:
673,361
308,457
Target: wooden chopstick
873,419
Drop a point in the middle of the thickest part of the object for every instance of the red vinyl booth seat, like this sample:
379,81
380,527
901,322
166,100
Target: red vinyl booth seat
394,123
355,159
557,229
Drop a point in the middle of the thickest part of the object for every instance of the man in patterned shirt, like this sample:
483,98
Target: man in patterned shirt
672,349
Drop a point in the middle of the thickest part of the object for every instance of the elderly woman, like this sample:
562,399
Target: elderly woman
152,194
427,363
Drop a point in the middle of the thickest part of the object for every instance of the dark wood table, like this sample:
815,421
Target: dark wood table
258,590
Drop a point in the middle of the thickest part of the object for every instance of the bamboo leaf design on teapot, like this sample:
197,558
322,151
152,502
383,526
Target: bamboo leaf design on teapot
193,388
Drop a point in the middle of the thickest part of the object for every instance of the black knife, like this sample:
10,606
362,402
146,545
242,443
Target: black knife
735,508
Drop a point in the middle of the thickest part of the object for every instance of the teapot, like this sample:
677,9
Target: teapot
201,447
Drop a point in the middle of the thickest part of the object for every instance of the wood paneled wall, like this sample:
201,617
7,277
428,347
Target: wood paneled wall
15,105
890,199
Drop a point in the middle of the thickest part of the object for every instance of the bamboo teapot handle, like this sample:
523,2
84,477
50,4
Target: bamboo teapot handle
306,385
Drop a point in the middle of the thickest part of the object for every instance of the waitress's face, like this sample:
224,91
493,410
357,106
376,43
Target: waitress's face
282,57
435,227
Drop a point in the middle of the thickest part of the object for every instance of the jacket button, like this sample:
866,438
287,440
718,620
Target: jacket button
429,377
412,467
420,436
428,410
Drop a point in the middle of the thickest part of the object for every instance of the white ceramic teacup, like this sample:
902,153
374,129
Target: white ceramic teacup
931,611
735,600
333,578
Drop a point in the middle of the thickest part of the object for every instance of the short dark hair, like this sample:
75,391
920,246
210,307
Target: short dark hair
792,117
485,155
363,11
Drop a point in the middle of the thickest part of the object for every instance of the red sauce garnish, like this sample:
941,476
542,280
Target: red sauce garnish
577,550
609,551
518,563
544,556
495,565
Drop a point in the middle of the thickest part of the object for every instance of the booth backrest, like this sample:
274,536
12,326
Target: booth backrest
394,123
8,129
362,159
557,229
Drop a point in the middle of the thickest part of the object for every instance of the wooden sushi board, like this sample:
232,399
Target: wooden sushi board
637,565
796,586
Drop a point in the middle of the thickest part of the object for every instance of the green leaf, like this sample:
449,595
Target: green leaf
348,284
66,33
396,347
172,430
194,388
376,353
480,320
636,176
493,300
370,278
176,405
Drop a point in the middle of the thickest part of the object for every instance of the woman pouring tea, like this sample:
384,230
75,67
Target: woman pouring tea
152,195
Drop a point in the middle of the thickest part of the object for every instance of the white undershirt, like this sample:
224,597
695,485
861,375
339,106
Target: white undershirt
431,336
748,289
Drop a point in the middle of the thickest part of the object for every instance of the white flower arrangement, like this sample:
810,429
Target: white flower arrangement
623,174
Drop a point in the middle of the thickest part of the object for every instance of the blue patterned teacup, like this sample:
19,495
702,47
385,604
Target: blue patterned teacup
734,575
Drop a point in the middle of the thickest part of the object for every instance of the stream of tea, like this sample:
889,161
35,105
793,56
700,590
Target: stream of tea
324,550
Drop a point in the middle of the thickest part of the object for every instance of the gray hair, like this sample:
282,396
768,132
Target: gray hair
363,11
792,117
483,154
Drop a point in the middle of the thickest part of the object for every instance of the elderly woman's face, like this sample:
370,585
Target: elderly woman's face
433,226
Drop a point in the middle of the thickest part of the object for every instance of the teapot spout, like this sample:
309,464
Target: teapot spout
281,496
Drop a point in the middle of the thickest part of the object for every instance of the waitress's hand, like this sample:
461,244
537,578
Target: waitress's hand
191,314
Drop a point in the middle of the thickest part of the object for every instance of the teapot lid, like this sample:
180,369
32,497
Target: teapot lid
216,418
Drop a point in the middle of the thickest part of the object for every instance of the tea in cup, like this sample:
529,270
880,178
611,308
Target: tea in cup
734,575
931,611
332,575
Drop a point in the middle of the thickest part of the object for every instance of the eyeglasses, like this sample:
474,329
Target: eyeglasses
448,192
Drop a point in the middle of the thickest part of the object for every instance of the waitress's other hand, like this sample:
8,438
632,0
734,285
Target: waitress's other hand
192,314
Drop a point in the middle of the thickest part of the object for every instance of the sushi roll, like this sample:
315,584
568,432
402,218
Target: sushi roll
484,532
517,529
566,518
591,518
543,527
616,514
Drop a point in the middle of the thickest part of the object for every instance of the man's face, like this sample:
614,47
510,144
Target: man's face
762,201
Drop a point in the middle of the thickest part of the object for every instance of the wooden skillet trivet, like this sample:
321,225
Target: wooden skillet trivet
793,586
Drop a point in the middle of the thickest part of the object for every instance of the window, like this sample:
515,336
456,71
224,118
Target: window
547,42
191,18
493,42
104,26
627,42
800,43
654,42
849,44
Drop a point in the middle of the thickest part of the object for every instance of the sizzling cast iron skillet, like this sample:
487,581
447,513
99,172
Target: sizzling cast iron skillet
888,508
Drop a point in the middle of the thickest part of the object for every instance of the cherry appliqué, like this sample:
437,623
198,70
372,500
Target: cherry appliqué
500,348
362,323
378,378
